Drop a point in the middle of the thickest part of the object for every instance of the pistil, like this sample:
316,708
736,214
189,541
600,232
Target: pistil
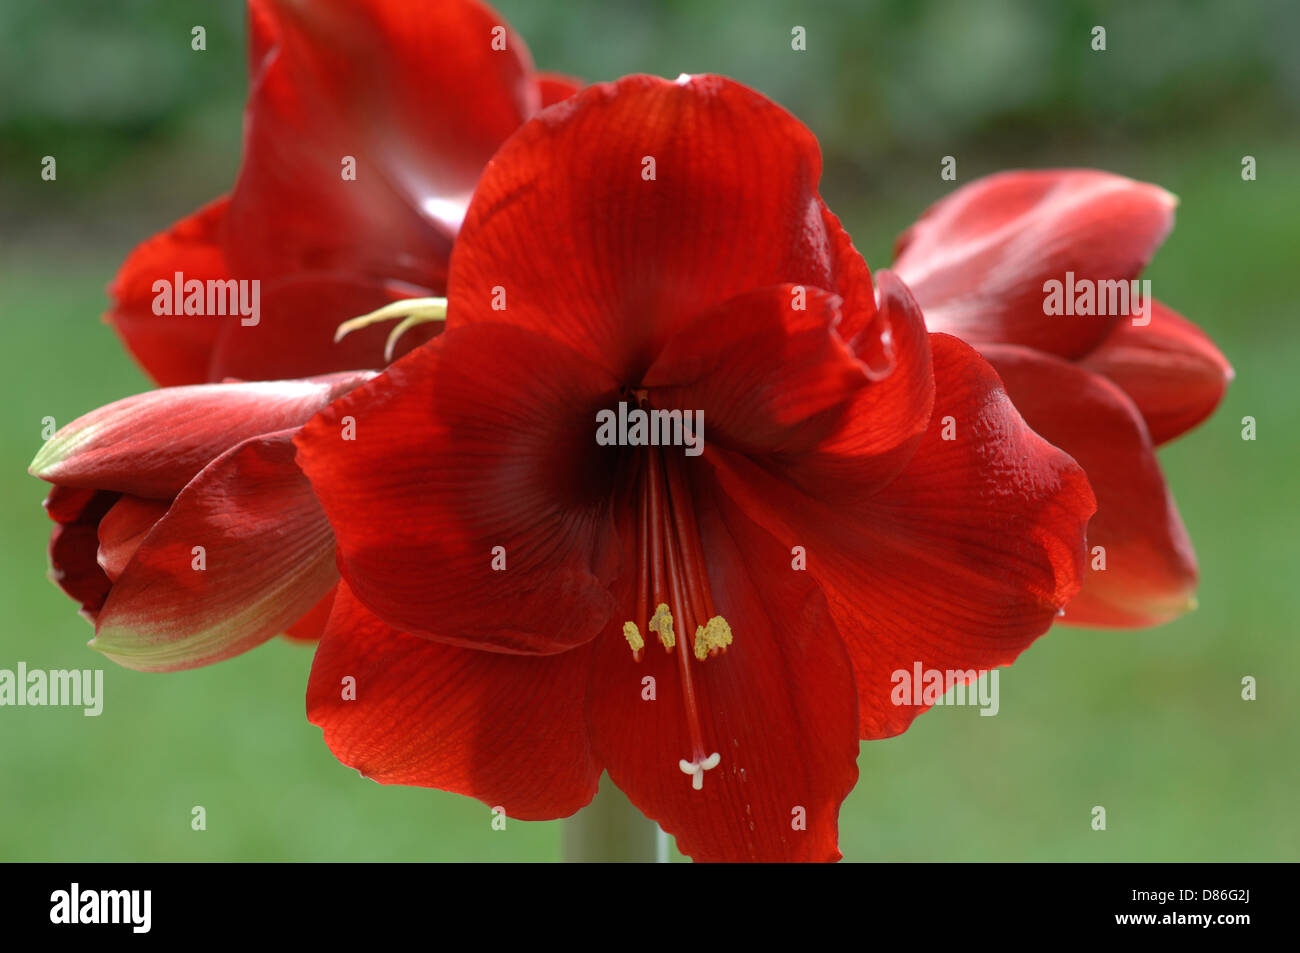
673,577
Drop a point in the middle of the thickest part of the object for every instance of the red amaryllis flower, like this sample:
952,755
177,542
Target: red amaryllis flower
368,123
534,593
185,529
1108,388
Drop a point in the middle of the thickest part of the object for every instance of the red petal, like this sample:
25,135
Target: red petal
887,420
778,707
960,562
506,729
780,382
172,349
269,557
564,224
66,504
152,444
1150,569
482,439
1170,368
416,94
74,543
978,259
124,528
556,87
295,316
312,625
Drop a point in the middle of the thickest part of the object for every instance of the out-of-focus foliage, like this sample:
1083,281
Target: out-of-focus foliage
880,80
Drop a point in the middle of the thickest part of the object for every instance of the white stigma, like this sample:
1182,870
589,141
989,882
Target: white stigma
696,769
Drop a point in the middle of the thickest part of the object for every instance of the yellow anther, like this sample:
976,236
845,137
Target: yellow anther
662,622
713,636
633,636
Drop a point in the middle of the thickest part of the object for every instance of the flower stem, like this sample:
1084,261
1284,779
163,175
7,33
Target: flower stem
610,830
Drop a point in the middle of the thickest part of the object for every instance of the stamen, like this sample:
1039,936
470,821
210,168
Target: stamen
688,536
633,636
712,638
630,631
662,622
655,557
696,766
643,571
674,577
412,311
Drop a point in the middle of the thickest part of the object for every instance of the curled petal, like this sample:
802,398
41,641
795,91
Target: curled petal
775,378
769,376
885,422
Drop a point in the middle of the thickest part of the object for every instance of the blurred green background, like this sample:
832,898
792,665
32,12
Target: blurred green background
1149,724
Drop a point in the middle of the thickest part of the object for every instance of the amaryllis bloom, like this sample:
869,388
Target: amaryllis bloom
185,529
1107,388
367,125
536,591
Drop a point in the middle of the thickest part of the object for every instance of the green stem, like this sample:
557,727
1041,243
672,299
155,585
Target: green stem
610,830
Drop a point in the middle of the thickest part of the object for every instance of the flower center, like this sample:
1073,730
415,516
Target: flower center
671,576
